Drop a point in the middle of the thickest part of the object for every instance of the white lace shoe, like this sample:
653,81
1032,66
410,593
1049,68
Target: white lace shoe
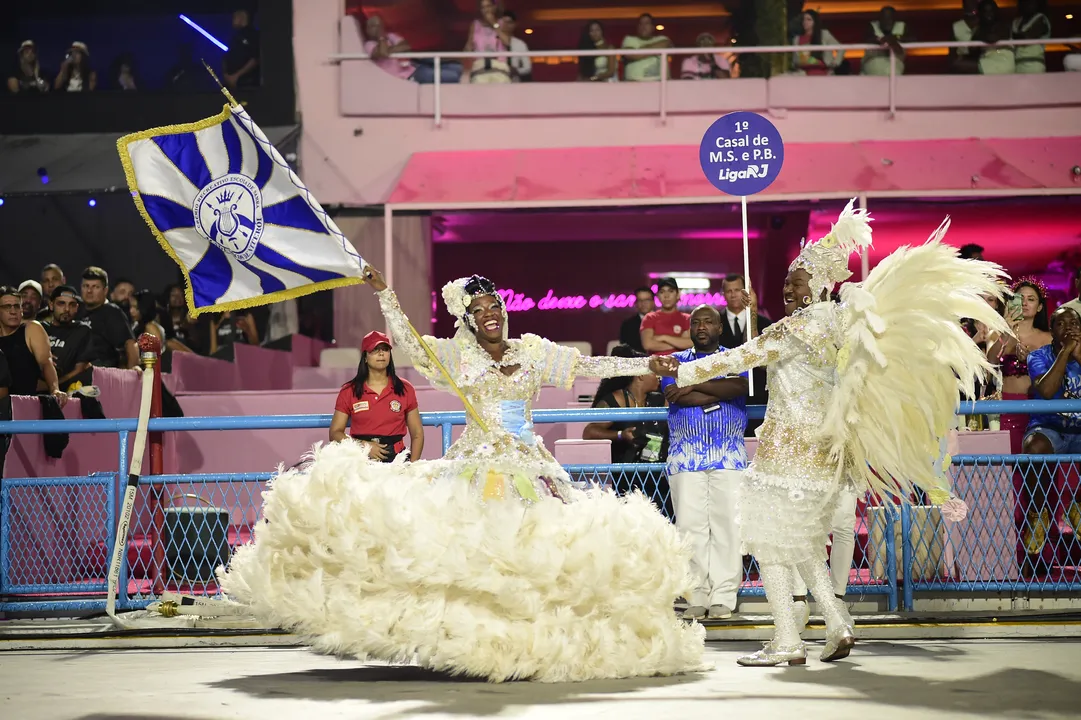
771,655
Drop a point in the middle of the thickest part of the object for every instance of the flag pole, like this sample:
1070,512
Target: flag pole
469,409
225,90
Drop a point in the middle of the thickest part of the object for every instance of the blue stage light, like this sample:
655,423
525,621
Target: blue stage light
92,202
199,29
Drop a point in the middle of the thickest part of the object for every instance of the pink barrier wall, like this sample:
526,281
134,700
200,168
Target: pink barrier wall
306,350
195,373
85,453
344,167
253,368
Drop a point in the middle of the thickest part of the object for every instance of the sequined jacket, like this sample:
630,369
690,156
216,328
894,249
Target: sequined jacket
504,402
801,352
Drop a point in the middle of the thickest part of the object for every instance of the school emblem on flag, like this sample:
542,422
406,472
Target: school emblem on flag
231,213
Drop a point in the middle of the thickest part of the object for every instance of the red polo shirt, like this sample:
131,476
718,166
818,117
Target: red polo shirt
377,413
673,323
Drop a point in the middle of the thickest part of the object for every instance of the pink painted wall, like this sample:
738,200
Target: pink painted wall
357,160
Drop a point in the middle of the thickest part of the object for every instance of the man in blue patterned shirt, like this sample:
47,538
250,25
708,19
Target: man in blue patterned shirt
706,457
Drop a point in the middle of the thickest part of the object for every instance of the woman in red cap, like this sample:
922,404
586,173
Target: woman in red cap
379,406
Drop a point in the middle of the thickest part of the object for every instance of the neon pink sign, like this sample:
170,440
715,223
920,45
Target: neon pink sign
520,302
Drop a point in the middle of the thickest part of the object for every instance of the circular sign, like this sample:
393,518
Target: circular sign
741,153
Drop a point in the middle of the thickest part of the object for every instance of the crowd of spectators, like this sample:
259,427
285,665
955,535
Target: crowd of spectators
494,30
75,72
70,327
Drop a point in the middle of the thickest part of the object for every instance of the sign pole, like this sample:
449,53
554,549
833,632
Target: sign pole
741,154
750,330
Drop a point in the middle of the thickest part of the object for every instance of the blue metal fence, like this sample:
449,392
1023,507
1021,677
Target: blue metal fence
56,534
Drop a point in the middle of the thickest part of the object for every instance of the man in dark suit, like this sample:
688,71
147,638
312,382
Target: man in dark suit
740,306
630,331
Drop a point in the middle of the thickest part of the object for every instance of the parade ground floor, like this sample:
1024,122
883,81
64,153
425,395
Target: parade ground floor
1000,678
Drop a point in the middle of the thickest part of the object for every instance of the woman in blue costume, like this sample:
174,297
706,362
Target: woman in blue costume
487,562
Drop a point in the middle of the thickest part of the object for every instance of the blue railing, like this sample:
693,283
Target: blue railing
56,534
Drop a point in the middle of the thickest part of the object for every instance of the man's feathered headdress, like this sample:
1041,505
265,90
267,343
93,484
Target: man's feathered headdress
826,261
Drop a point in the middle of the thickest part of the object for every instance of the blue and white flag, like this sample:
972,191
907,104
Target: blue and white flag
226,207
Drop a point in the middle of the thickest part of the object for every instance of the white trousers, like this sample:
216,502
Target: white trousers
705,507
843,528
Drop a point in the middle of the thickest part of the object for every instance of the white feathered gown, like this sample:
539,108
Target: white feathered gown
486,562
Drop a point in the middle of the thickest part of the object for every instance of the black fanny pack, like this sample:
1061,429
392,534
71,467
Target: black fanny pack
387,440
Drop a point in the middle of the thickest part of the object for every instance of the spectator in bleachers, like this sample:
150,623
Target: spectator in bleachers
122,74
181,326
1027,316
25,346
30,292
639,68
994,60
28,76
486,35
122,291
113,344
666,330
889,32
380,407
972,251
521,68
187,75
630,332
816,62
622,392
232,327
740,306
603,68
738,310
143,311
706,459
634,442
1055,370
52,277
240,66
75,74
1030,24
708,66
380,44
965,60
71,340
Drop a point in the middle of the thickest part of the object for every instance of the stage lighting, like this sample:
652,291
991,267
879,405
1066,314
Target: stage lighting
204,33
1,202
92,202
43,174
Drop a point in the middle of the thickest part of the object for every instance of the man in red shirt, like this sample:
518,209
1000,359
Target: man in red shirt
667,330
380,407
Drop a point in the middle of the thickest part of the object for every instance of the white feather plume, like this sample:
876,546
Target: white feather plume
905,361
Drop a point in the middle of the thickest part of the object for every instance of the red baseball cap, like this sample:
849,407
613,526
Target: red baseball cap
374,339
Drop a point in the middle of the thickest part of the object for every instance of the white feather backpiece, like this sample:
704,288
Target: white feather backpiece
905,361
